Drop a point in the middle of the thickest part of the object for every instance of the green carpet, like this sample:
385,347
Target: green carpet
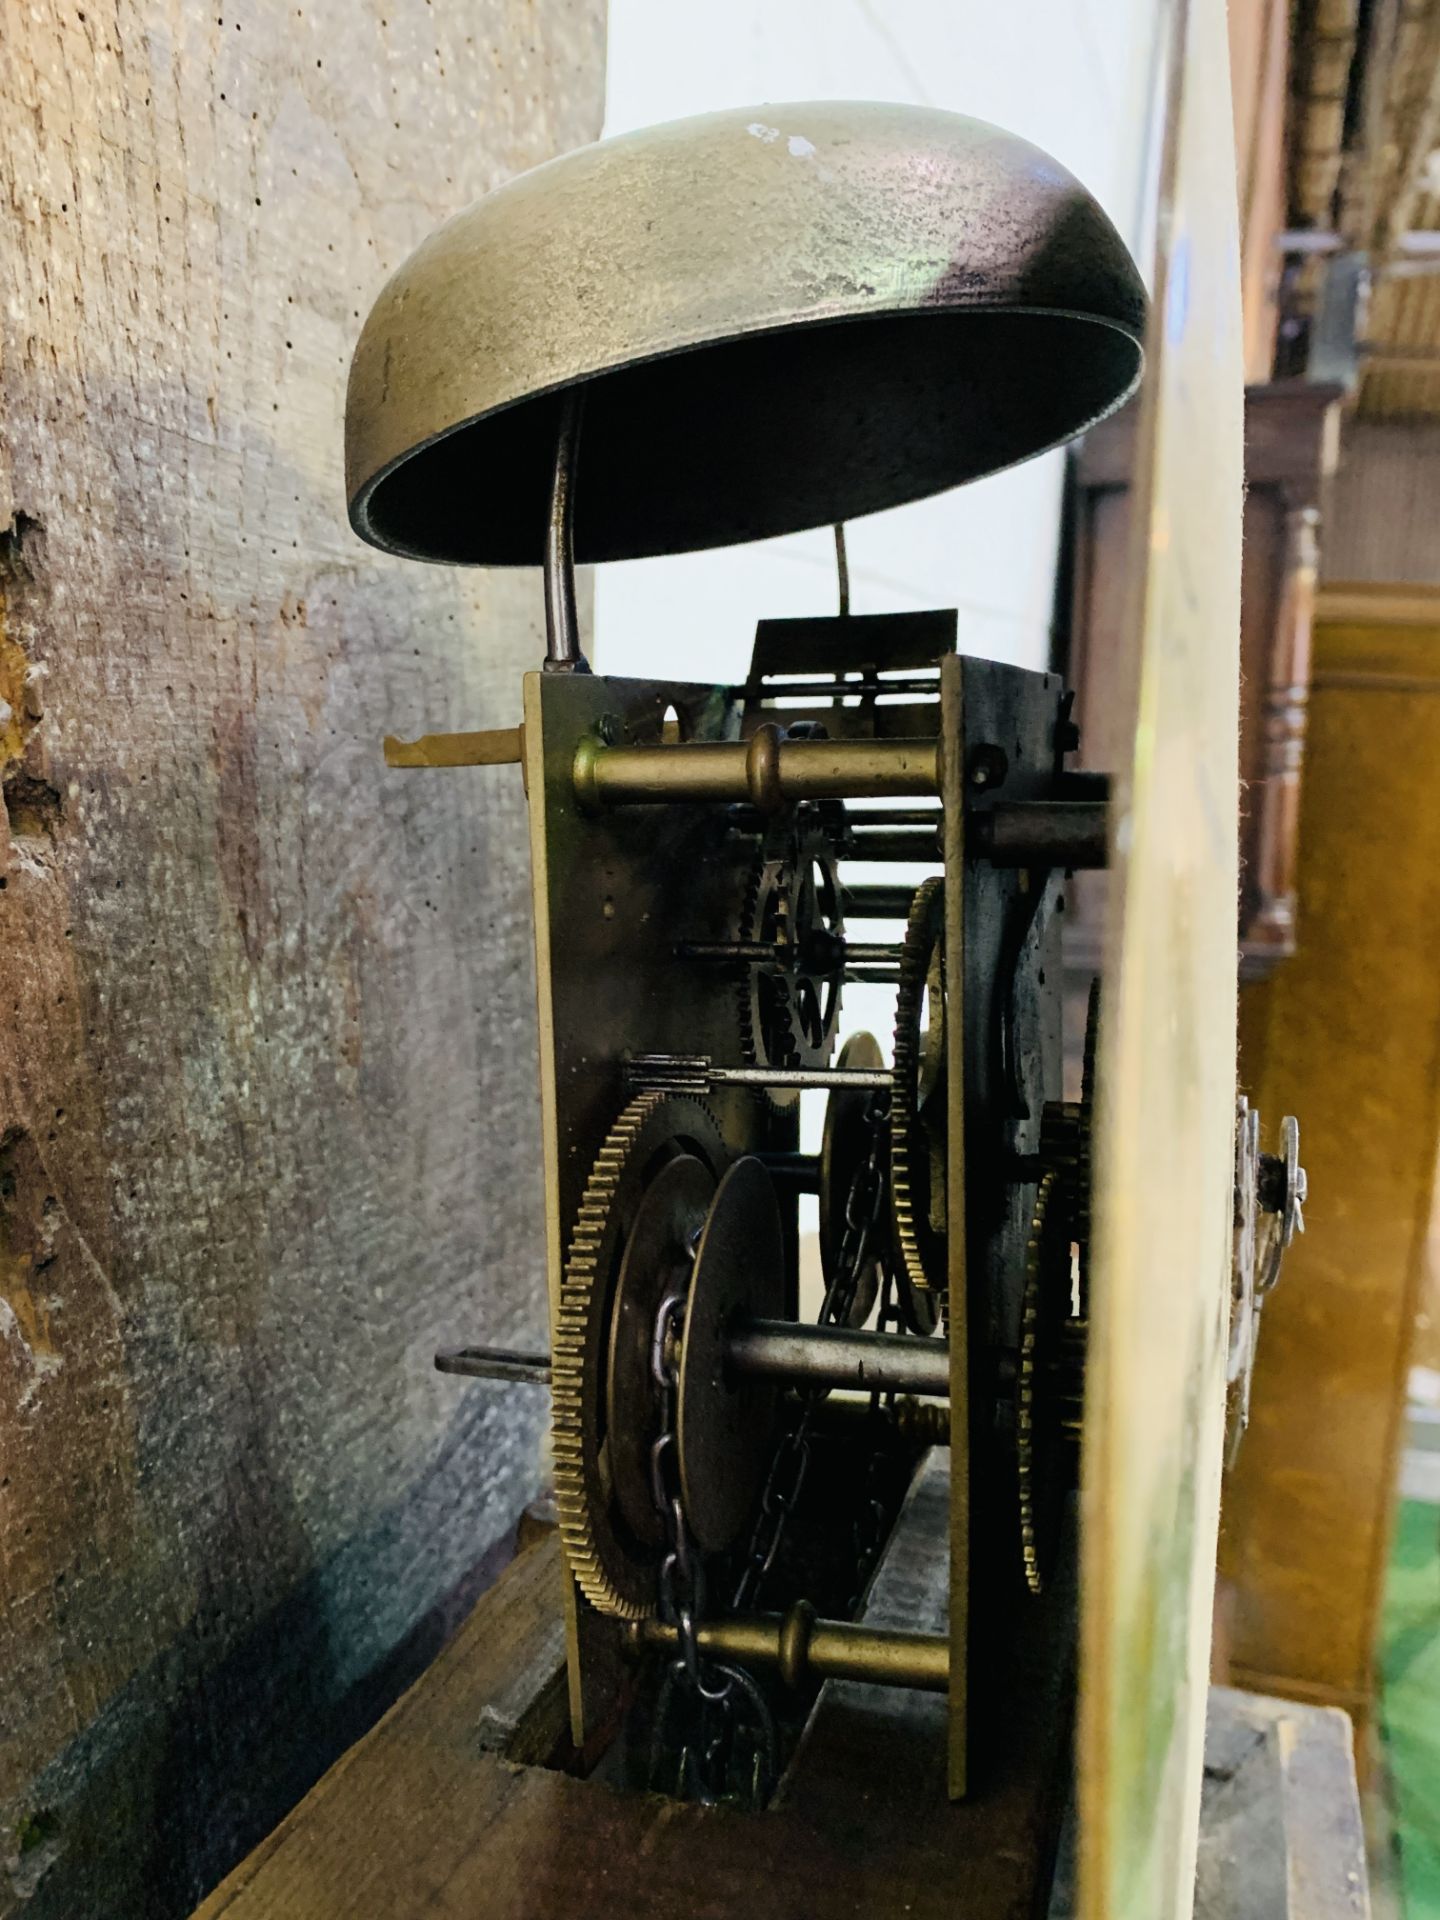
1410,1663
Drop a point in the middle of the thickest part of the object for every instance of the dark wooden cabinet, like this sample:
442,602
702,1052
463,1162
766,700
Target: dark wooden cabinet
1291,441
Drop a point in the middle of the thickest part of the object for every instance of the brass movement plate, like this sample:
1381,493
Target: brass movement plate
613,891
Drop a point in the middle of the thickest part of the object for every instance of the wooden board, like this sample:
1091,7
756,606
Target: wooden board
268,1125
441,1810
1281,1836
1155,1391
434,1813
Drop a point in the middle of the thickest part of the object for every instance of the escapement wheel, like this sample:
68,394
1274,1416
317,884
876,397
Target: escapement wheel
845,1149
789,1011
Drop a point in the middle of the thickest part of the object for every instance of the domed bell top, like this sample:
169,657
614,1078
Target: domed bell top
782,317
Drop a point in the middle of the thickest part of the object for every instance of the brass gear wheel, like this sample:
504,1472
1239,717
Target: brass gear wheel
614,1572
1085,1169
1067,1143
1042,1395
789,1011
845,1149
917,1110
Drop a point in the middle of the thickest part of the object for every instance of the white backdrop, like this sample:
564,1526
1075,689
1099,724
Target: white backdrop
1076,77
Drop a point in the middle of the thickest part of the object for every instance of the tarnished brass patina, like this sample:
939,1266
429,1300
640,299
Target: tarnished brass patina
727,329
767,770
493,747
805,1648
783,317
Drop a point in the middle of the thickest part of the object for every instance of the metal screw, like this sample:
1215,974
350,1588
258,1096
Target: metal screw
987,766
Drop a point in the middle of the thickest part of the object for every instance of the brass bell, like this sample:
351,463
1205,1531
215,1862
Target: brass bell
780,317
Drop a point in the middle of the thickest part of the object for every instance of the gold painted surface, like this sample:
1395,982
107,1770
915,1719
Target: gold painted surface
1166,1087
1372,603
495,747
1347,1035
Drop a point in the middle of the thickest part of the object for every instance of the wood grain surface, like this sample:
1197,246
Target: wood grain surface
268,1127
433,1814
1165,1113
436,1812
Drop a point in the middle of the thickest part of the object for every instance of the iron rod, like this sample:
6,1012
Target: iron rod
694,1072
796,1353
879,902
797,1172
803,1077
495,1363
896,817
781,952
919,844
867,688
751,952
1043,833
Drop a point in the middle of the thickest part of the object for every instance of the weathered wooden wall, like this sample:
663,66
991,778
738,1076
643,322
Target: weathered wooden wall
267,1123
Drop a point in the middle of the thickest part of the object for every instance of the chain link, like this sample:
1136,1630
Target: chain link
864,1208
724,1735
713,1732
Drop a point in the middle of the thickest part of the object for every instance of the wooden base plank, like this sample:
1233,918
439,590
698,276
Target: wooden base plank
431,1813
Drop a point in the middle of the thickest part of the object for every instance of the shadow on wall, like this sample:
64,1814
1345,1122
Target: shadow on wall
158,1807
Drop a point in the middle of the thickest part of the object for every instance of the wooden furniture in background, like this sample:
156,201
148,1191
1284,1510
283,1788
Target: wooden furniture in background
1260,80
1346,1035
1290,447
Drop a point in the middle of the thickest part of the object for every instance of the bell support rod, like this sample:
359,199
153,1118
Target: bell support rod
803,1647
767,770
795,1353
562,623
